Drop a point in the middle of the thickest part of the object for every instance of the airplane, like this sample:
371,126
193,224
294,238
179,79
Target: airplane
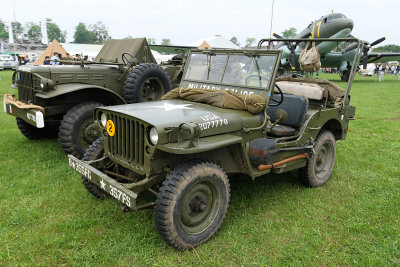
334,25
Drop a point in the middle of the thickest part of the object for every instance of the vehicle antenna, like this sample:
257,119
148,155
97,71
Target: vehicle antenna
272,15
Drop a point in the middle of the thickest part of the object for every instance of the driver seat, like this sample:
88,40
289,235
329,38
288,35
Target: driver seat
296,107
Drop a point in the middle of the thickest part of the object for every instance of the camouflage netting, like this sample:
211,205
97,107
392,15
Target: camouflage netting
331,90
10,99
219,98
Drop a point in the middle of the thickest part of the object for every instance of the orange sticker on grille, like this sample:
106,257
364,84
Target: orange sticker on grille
110,127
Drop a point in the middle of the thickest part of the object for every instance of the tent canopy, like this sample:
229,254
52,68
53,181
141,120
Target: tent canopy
54,46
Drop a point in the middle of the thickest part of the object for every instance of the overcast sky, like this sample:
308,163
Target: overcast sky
187,21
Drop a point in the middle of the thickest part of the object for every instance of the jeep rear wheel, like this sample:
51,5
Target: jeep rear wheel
95,151
31,132
146,82
319,167
192,204
77,130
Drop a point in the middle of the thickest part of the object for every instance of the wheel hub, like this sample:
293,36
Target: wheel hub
197,205
152,89
322,161
90,133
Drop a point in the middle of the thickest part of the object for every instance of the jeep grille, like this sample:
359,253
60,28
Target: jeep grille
128,143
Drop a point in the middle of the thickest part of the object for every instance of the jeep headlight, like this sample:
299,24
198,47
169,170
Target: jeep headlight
103,119
153,136
42,85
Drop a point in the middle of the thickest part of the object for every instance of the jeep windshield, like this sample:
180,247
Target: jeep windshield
222,69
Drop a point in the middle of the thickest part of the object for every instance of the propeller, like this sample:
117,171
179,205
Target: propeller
366,48
292,48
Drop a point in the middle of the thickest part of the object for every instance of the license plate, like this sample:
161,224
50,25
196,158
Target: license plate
105,183
80,169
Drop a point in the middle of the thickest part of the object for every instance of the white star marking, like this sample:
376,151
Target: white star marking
168,107
103,185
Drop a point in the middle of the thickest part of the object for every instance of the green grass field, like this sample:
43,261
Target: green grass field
48,218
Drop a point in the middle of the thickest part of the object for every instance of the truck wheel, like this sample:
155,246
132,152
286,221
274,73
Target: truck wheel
95,151
31,132
192,204
146,82
319,167
77,130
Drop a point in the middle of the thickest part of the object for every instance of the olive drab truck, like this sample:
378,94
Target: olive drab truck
60,99
230,114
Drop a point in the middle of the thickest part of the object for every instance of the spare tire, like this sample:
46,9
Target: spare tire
146,82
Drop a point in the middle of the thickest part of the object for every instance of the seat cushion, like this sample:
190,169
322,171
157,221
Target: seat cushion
309,90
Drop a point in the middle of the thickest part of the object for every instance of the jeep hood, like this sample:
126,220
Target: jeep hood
171,113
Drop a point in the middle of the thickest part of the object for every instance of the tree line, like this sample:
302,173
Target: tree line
84,33
98,33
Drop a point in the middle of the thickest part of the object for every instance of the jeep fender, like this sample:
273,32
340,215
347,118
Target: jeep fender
84,92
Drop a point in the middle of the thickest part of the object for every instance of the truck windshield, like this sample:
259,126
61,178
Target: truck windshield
235,69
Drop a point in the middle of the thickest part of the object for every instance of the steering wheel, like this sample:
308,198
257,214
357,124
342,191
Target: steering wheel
252,76
127,59
276,102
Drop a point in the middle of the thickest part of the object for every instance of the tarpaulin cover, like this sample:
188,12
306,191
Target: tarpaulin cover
219,98
113,49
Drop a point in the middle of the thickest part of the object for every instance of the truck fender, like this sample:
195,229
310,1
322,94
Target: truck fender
66,89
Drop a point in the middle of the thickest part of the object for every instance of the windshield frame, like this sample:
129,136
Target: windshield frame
240,88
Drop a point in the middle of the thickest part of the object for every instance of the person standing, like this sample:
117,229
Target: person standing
54,59
381,73
46,60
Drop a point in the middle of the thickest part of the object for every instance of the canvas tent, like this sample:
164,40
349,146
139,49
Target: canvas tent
54,46
215,42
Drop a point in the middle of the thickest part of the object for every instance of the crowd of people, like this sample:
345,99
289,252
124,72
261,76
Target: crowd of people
381,69
55,59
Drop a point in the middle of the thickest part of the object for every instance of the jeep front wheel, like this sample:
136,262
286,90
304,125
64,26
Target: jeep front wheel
146,82
192,204
77,130
319,167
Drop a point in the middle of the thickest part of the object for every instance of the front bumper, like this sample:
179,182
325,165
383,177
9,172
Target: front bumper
106,183
32,116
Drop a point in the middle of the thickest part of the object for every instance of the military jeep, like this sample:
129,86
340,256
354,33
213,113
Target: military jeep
182,148
61,98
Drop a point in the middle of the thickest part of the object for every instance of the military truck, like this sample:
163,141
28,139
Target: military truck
229,115
61,98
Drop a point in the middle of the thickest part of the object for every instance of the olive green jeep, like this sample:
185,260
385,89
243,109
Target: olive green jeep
61,98
229,115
